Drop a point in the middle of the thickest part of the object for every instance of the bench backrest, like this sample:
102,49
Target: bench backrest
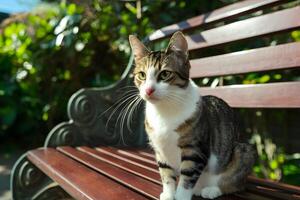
94,119
233,30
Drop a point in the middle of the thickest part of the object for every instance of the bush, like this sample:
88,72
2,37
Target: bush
48,54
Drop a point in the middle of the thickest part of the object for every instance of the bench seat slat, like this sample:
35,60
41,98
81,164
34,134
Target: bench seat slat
133,154
272,95
221,14
282,186
104,180
280,21
271,192
140,161
68,173
139,153
140,170
262,59
137,183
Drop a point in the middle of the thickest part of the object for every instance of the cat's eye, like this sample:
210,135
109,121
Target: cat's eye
165,74
141,76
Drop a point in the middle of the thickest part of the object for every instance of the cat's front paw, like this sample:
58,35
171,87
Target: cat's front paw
166,196
211,192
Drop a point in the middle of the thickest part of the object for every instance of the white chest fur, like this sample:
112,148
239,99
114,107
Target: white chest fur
165,118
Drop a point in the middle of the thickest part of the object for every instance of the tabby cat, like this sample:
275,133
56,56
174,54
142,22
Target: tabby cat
195,138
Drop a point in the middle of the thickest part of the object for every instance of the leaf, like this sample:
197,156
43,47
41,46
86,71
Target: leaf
264,79
296,35
273,164
71,10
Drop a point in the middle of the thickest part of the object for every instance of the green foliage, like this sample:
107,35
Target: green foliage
274,164
50,53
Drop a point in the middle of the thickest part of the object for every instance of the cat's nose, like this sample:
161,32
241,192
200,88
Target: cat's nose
149,91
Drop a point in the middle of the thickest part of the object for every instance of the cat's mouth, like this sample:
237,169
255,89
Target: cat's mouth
151,98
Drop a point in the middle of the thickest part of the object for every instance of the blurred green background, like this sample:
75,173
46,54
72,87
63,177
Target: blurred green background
61,46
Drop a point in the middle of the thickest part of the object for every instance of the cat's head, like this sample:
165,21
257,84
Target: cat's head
161,75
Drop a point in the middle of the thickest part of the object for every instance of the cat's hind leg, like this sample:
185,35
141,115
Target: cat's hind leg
211,185
207,184
234,177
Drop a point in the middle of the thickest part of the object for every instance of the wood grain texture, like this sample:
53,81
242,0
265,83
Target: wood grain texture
138,161
86,174
291,189
280,21
255,60
134,154
124,177
272,95
139,154
128,165
78,180
228,12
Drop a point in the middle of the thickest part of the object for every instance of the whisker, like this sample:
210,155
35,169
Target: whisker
121,115
117,102
131,112
128,108
118,106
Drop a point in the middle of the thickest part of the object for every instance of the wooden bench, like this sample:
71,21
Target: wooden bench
78,160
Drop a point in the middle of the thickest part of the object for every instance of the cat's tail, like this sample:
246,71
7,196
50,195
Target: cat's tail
233,179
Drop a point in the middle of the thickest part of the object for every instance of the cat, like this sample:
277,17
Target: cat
194,137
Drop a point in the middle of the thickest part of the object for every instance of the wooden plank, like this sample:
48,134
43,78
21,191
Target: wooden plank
124,177
149,154
137,156
272,95
228,12
271,192
250,196
139,160
133,167
280,21
291,189
262,59
68,173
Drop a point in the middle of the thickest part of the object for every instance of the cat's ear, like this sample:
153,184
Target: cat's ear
178,43
138,48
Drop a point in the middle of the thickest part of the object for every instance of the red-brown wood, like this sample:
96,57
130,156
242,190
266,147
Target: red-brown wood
73,170
128,165
114,152
262,59
143,154
147,153
137,155
221,14
271,192
280,21
272,95
291,189
124,177
79,181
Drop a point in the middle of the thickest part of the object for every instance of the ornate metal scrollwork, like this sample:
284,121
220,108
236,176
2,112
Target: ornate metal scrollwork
65,133
28,176
82,108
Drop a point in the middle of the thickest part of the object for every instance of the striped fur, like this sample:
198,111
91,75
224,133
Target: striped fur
194,137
